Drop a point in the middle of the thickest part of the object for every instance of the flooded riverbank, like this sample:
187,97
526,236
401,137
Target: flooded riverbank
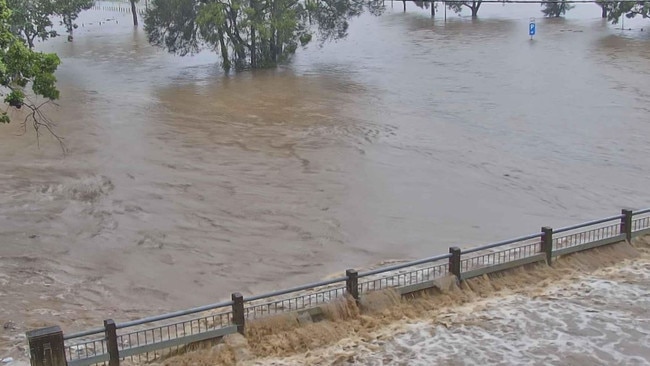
183,184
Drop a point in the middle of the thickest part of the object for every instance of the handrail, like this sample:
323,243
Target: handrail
505,242
404,265
83,334
294,289
174,314
588,223
641,212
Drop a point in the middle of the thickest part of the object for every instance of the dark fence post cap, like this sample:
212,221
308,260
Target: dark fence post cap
351,272
43,331
109,322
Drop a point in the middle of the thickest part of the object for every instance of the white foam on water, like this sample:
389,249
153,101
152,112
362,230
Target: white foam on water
596,319
87,189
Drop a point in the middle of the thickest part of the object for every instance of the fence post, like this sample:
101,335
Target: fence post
46,347
238,312
110,331
547,243
626,224
454,262
352,284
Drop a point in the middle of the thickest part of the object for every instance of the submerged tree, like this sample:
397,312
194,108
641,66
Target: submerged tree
629,10
427,5
30,19
471,5
20,67
554,8
69,11
605,6
249,33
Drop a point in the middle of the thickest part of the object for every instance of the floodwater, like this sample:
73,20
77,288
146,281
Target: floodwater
183,184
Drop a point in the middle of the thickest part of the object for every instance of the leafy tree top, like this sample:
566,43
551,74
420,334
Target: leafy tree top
20,68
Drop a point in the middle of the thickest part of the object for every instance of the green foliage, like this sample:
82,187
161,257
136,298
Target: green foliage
555,8
249,33
30,19
473,6
69,11
20,67
629,10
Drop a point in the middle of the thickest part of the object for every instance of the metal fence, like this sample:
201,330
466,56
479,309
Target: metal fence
294,299
151,338
404,274
120,6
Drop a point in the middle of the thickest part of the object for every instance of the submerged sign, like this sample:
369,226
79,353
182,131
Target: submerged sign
531,28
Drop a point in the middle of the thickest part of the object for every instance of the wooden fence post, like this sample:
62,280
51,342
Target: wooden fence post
454,262
547,244
46,347
238,317
110,331
352,284
626,224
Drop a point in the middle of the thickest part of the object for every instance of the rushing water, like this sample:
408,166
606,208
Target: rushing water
183,184
595,319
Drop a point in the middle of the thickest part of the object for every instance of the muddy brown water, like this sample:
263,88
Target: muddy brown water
183,184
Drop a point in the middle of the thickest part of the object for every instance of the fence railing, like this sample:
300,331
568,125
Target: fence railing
154,337
120,6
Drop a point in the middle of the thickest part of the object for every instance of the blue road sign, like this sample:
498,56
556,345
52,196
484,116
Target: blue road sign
531,29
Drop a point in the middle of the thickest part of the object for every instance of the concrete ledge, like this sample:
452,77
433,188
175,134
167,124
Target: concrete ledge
641,232
440,283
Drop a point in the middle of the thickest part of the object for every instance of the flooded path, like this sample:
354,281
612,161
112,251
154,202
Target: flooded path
183,185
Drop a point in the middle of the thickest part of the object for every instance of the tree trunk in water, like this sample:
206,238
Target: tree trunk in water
253,49
433,9
224,51
603,14
474,8
70,30
404,1
135,13
272,46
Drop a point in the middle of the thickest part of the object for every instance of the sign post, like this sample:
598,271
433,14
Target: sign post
531,28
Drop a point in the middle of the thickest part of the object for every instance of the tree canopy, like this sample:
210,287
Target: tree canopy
21,67
629,10
249,33
30,19
69,11
474,6
554,8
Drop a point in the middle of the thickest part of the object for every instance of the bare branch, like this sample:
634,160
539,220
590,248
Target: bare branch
40,120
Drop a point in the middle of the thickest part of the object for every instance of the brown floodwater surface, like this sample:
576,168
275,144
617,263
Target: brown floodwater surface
184,184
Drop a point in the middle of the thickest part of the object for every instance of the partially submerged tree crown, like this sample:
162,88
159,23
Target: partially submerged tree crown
249,33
